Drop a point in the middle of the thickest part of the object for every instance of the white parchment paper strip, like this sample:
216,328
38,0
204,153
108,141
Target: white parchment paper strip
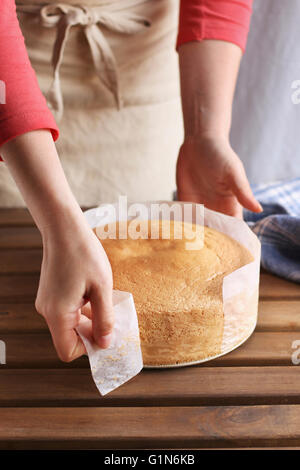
122,360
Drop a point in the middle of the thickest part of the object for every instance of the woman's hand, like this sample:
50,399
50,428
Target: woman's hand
76,276
209,172
75,271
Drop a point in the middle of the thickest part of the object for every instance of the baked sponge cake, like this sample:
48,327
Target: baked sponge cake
177,291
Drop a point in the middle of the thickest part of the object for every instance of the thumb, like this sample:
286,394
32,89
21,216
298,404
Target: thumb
242,190
102,315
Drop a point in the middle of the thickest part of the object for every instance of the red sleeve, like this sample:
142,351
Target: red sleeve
23,107
227,20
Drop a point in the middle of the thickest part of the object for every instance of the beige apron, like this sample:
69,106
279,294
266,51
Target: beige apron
115,95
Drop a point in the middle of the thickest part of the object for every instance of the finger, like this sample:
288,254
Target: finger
67,343
87,310
237,211
102,316
242,190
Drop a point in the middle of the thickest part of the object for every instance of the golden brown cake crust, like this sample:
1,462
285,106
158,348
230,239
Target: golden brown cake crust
177,292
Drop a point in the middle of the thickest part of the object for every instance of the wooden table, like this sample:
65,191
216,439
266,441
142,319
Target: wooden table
248,398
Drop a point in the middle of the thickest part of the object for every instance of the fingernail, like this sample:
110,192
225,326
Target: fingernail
104,341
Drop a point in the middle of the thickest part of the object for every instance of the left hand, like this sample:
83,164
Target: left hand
209,172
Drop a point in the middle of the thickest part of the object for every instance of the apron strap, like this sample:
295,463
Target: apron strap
63,17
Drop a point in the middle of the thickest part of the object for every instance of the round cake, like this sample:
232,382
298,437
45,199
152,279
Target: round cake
177,291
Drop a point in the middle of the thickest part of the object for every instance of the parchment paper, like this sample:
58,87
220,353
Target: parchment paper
122,360
240,288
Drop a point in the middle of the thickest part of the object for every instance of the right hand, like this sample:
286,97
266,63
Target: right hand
76,279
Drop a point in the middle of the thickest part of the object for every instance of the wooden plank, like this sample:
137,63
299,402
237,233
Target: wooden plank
273,316
172,387
20,237
18,287
263,348
17,216
273,287
20,261
24,286
278,315
21,318
34,351
154,427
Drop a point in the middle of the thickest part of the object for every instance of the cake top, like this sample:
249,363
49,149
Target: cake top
165,278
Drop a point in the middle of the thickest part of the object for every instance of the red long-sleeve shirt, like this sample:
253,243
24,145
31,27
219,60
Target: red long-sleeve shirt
23,107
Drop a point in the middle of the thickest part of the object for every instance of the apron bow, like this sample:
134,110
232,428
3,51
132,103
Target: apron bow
113,16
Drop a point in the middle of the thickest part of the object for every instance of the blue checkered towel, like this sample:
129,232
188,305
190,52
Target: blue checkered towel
278,227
